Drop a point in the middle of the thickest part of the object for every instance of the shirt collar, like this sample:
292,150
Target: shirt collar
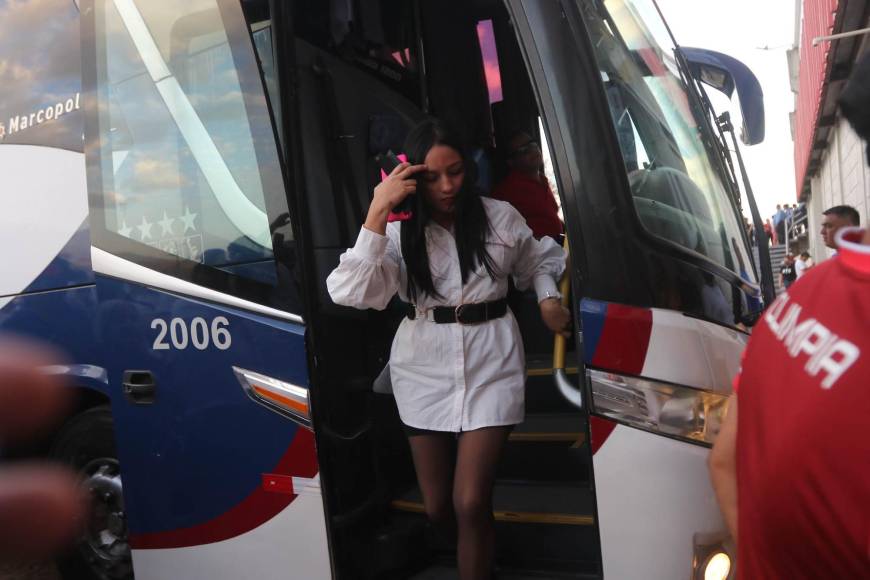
852,253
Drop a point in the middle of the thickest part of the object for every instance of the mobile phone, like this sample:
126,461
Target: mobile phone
388,162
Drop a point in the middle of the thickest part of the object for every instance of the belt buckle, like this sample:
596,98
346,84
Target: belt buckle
457,313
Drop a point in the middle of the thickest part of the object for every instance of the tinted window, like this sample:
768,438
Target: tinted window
376,35
677,193
187,149
40,74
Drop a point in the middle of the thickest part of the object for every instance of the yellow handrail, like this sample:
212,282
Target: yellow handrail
569,391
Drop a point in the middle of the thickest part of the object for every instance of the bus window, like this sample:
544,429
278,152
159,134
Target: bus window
261,33
186,159
677,193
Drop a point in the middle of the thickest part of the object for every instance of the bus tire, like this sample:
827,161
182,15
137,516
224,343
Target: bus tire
87,444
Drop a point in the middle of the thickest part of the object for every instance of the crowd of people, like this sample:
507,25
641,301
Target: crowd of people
833,220
786,217
788,221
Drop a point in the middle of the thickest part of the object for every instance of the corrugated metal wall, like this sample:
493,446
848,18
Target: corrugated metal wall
818,20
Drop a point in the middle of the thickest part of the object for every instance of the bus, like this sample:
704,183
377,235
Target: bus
179,178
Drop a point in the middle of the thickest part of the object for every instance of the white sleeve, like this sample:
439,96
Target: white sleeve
538,262
367,275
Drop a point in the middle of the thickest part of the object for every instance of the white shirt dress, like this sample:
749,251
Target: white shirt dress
453,377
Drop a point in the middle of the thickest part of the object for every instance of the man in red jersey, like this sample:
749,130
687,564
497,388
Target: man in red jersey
527,189
791,470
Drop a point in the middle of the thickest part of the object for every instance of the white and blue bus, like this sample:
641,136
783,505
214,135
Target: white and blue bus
178,179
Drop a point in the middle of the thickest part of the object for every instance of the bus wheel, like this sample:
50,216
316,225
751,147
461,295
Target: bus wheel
87,444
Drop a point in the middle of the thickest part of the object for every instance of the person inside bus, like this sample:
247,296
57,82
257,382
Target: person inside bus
527,188
456,364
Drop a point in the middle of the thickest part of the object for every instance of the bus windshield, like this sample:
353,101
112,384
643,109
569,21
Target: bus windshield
677,192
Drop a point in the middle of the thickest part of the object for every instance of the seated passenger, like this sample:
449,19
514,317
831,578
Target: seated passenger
527,189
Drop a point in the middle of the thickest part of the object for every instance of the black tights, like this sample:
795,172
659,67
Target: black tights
457,491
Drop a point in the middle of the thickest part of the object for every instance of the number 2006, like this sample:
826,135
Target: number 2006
199,334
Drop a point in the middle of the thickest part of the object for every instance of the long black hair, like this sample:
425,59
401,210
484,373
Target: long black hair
471,225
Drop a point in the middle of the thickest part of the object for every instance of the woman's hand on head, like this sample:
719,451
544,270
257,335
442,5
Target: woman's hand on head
389,193
396,187
556,317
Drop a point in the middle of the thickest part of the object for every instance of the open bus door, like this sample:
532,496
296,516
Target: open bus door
661,272
199,309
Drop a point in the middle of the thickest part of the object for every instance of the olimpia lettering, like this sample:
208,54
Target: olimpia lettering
18,123
826,351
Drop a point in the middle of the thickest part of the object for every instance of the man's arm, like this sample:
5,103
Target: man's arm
723,468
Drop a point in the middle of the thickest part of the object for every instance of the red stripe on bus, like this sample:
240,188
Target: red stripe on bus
300,460
624,339
601,430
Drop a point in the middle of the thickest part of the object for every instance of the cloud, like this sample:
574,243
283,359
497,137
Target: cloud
12,73
151,173
39,44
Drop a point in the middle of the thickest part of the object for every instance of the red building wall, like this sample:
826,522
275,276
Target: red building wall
818,20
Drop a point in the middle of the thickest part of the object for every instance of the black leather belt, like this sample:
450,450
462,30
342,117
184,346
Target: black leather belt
464,313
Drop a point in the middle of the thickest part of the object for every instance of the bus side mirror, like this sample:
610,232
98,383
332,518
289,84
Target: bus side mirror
728,74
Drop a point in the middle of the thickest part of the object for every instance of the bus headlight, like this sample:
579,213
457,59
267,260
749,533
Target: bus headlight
717,566
713,557
694,415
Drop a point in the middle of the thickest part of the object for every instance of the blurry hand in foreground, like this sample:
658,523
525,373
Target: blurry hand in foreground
41,506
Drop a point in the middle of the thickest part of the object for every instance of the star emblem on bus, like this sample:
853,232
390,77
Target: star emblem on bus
188,220
145,228
166,224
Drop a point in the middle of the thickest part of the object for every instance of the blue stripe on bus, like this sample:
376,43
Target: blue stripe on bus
71,266
65,320
593,313
201,448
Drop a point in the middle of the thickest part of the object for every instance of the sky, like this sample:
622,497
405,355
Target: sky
741,28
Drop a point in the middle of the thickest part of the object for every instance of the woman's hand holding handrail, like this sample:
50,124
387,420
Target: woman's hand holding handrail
556,317
389,193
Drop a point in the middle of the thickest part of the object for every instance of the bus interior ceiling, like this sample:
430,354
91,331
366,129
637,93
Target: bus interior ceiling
367,72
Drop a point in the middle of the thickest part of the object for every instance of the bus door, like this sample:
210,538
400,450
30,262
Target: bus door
199,310
662,280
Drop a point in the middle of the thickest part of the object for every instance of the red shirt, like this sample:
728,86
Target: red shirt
803,435
534,200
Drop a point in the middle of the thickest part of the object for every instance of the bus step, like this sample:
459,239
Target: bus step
544,462
557,549
563,505
575,439
543,530
551,428
447,571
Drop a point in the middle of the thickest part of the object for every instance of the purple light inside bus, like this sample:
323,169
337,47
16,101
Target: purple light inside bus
486,38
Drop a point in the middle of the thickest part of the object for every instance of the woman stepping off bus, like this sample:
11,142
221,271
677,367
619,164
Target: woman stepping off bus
457,364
